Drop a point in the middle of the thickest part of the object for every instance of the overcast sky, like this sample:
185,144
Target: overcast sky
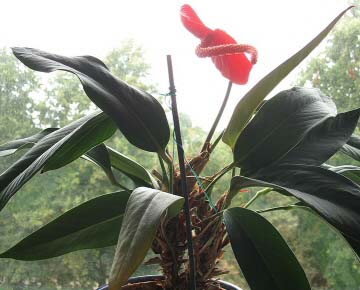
278,28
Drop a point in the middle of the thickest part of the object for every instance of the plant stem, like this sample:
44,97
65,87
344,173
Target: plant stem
218,176
217,119
181,157
260,192
216,142
164,155
164,174
123,187
284,207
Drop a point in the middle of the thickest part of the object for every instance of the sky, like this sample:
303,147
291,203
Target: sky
277,28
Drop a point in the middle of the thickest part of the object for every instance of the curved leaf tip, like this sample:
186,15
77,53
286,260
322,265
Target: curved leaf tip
246,107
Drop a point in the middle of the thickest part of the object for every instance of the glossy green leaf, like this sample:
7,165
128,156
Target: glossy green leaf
28,142
138,115
93,224
264,257
280,125
146,207
324,140
249,103
81,141
342,168
39,148
99,155
354,244
352,148
349,171
132,169
333,196
30,163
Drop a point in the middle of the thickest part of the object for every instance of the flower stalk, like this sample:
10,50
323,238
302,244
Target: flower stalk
217,119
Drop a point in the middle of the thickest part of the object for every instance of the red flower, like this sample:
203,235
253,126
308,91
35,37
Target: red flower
228,56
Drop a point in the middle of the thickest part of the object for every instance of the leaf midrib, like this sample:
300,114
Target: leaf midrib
280,124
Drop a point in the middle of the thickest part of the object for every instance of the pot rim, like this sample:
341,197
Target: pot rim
223,284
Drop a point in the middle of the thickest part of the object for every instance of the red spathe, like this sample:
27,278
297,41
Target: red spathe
232,63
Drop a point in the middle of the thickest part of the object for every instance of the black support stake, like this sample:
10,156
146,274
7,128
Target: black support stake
183,174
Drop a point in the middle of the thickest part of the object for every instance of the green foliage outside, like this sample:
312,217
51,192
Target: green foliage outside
24,110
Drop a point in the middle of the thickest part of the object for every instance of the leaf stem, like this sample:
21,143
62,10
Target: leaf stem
219,175
216,142
283,207
259,193
165,156
164,174
217,119
192,278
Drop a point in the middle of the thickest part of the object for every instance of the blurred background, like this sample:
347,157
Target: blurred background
133,38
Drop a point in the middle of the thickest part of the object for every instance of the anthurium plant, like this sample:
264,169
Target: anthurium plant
281,145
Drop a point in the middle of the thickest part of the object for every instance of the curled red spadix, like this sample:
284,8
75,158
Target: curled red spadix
228,56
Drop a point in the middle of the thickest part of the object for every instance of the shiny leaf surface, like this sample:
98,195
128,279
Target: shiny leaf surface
33,161
138,115
333,196
28,142
280,125
264,257
93,224
146,207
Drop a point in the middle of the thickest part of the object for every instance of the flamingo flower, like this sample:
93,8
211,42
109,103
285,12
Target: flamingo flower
228,56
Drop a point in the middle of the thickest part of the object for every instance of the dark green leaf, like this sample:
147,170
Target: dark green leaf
324,140
95,223
264,257
350,171
38,149
138,115
280,125
16,145
81,141
250,102
132,169
352,148
342,168
100,156
30,163
333,196
146,207
355,245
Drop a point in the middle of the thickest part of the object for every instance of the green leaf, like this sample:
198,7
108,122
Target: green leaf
38,149
81,141
16,145
30,163
352,148
264,257
324,140
93,224
145,209
138,115
355,245
333,196
132,169
349,171
99,155
249,103
280,125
